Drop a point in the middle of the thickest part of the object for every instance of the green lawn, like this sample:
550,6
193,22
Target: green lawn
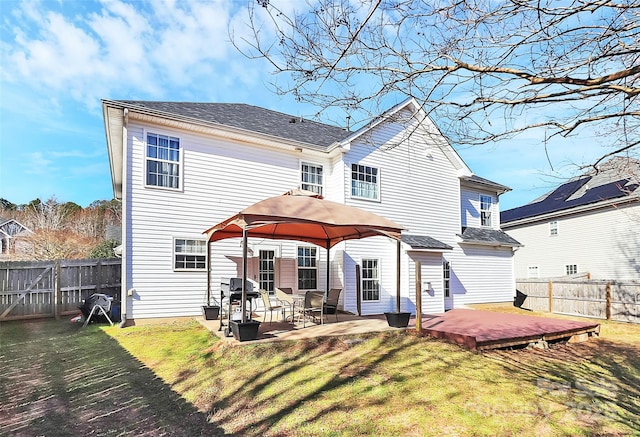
393,384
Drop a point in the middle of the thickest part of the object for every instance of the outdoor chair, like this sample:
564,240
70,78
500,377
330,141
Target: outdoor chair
286,298
313,306
331,304
271,306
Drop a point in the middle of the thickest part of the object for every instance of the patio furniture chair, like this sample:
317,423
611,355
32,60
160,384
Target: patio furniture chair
271,306
313,306
287,299
331,304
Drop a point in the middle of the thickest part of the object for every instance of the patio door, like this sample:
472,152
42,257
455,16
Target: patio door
446,285
267,272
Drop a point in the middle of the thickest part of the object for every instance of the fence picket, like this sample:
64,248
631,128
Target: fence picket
58,293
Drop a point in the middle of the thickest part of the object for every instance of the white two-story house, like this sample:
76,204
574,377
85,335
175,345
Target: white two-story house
180,168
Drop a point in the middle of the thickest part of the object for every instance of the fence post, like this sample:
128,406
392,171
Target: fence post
608,299
57,293
99,277
550,293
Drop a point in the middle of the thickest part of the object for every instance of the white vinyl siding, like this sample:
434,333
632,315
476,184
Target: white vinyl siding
603,243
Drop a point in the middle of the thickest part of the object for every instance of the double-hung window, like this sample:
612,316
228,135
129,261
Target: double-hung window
163,161
365,182
553,228
189,254
370,279
311,177
571,269
307,268
485,211
533,272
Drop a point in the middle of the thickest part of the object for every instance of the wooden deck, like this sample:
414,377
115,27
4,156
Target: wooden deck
477,329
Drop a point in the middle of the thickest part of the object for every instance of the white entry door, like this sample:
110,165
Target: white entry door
446,285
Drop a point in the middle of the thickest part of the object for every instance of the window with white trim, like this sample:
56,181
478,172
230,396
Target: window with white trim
370,280
553,228
486,203
189,254
365,182
311,177
307,268
163,161
533,272
571,269
446,278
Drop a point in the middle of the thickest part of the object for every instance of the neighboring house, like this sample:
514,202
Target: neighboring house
588,225
180,168
11,231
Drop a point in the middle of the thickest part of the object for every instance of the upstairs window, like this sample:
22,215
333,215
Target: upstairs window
533,272
370,280
365,182
163,161
485,211
307,268
189,254
553,228
311,177
572,269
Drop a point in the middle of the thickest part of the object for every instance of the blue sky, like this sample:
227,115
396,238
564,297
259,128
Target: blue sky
59,58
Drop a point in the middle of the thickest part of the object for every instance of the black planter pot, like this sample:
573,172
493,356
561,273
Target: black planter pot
210,312
398,320
245,331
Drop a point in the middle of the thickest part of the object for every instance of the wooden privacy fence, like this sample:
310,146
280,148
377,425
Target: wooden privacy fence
611,300
35,289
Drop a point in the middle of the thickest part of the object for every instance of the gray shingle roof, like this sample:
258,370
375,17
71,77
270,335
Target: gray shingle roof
424,242
616,179
251,118
486,182
488,236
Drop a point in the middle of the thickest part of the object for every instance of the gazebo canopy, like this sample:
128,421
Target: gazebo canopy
304,216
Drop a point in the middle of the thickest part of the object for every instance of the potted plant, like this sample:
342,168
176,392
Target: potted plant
245,331
210,312
398,319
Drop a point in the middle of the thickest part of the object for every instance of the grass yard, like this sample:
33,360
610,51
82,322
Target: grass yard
178,379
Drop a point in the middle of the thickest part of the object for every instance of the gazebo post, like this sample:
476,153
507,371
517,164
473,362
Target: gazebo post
328,270
243,304
398,276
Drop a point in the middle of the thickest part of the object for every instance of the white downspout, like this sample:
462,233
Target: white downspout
125,222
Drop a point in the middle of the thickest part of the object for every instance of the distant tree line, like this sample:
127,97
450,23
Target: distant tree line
64,230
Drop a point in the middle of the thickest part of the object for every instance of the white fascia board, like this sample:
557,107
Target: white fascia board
113,115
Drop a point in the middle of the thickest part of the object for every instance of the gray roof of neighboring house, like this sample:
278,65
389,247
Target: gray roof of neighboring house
251,118
615,179
424,242
493,237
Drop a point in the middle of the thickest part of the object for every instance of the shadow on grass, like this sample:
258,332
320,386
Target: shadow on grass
61,379
596,379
